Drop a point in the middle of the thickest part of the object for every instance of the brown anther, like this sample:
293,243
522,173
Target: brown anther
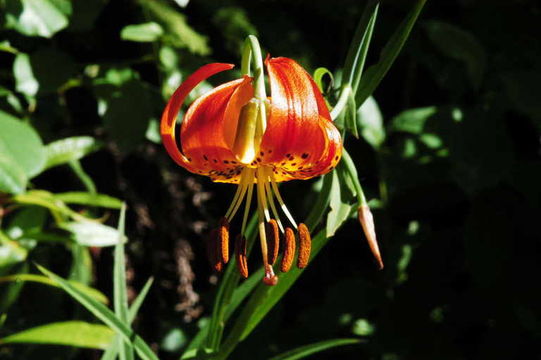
289,251
240,255
273,241
270,279
223,240
212,245
305,246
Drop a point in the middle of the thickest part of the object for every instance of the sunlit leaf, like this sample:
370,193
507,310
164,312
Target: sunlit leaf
413,120
73,148
26,82
177,31
38,17
85,198
68,333
91,233
340,207
370,121
146,32
22,153
10,252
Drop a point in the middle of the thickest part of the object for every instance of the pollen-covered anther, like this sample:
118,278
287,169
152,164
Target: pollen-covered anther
305,246
240,255
289,250
223,240
270,278
212,245
273,241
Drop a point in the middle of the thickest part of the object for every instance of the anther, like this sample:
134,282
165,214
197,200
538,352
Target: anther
223,240
289,251
270,279
305,246
273,241
240,254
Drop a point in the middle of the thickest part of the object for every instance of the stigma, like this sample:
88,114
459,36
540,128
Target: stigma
278,231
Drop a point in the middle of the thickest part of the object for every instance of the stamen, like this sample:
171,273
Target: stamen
223,240
244,181
271,200
269,278
289,251
240,252
281,201
273,240
305,246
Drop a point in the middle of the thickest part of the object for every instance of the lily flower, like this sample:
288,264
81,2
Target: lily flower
232,134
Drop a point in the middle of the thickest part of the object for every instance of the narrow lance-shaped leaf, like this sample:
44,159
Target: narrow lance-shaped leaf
105,315
375,73
68,333
307,350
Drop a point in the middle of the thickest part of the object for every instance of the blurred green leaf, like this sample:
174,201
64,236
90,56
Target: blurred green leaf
25,81
146,32
307,350
105,315
68,333
375,73
85,198
413,120
120,290
91,233
21,153
234,26
460,45
340,207
521,87
73,148
37,17
177,31
370,121
10,252
93,293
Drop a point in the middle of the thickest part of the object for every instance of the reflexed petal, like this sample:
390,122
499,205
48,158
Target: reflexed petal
170,114
208,123
300,140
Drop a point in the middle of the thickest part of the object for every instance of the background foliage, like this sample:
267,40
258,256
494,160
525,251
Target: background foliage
449,156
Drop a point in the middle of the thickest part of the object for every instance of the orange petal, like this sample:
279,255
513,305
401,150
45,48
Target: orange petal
170,114
300,139
206,123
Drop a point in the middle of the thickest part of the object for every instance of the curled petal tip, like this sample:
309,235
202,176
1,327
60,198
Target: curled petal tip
367,222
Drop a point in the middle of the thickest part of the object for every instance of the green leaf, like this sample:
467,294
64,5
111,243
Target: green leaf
119,286
25,81
105,315
38,17
319,73
89,199
92,233
20,142
146,32
112,350
12,178
307,350
69,333
340,207
11,252
73,148
370,121
91,292
413,120
460,45
177,31
47,200
356,56
375,73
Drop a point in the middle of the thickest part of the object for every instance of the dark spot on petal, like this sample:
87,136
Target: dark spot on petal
261,153
233,162
215,161
336,157
304,156
226,162
189,159
269,151
205,157
288,155
293,164
258,159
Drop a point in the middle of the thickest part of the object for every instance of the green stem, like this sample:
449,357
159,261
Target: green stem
352,170
342,101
